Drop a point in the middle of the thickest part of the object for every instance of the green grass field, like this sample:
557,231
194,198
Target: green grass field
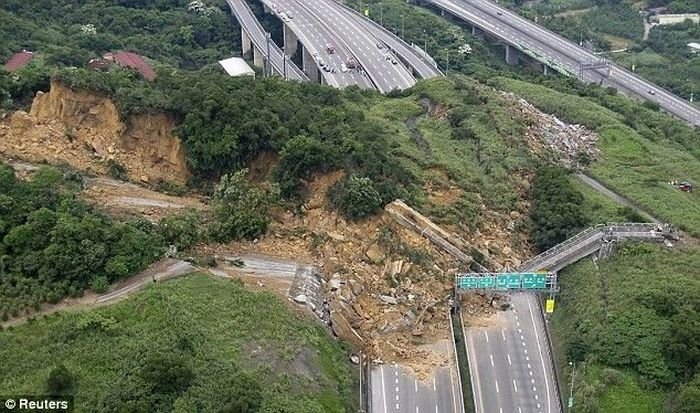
217,327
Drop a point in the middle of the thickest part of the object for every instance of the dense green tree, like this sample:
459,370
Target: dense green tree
167,375
556,212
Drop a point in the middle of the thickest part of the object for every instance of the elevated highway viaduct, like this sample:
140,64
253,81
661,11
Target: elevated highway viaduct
524,36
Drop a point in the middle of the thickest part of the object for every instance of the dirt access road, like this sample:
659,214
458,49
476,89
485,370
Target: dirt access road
165,269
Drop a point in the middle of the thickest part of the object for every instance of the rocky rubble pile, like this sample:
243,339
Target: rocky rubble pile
574,145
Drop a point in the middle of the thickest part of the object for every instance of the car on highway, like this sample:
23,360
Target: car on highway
343,67
380,45
393,61
321,62
330,49
500,13
651,92
326,68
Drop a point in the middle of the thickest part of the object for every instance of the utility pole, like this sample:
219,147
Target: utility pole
571,392
425,43
447,70
268,66
691,90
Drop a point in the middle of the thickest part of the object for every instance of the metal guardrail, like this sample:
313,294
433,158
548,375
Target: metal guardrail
459,374
552,359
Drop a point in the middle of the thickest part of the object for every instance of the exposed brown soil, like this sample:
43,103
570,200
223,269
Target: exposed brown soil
85,131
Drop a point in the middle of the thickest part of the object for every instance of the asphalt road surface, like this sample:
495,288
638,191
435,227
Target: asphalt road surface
509,364
415,59
395,390
548,46
314,37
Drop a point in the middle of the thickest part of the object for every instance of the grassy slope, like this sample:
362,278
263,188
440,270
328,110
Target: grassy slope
632,165
486,168
585,300
224,324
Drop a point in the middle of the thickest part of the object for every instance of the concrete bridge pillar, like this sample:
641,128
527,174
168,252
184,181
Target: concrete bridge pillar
477,32
512,55
246,44
545,69
308,64
290,41
258,58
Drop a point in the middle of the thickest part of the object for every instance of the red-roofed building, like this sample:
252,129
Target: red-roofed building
19,60
127,60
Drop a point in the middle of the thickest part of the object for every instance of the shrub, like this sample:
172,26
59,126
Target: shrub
60,381
355,197
240,208
99,284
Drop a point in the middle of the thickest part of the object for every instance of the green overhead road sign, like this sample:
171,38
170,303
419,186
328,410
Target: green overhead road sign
502,281
534,281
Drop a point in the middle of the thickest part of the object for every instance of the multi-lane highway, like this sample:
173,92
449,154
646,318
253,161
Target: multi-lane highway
422,66
396,390
510,368
315,37
562,54
386,74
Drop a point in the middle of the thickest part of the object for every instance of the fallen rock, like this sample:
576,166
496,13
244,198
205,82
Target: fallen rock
375,254
355,359
301,299
388,299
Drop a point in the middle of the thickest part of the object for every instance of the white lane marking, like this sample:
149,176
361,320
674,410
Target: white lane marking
397,398
515,385
537,397
397,389
397,406
527,358
496,381
531,373
519,410
525,351
529,366
417,409
534,388
503,334
491,357
539,346
509,363
415,384
434,385
383,389
487,336
436,408
532,381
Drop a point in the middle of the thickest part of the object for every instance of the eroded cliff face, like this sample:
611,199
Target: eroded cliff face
85,131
